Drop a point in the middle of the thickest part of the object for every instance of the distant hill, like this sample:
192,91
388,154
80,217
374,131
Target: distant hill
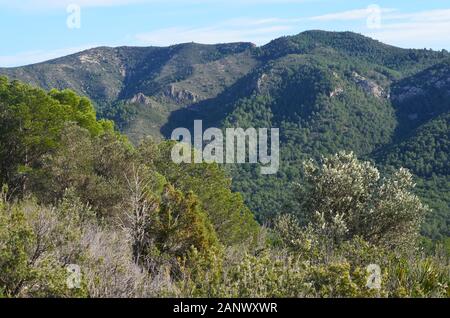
139,87
326,92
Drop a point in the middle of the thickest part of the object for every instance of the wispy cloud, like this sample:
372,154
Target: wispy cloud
421,16
357,14
414,29
419,29
258,31
36,56
426,29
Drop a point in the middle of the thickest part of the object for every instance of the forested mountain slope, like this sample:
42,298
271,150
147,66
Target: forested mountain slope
326,92
138,87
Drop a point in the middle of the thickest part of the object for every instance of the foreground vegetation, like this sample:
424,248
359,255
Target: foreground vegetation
77,192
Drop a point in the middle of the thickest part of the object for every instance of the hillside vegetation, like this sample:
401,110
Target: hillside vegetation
77,192
327,92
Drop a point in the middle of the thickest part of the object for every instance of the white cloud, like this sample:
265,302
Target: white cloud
415,29
258,31
421,16
419,29
357,14
36,56
419,35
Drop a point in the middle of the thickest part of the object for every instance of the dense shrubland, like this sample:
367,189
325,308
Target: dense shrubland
77,192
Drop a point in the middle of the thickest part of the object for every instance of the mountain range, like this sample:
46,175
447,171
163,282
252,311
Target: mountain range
326,91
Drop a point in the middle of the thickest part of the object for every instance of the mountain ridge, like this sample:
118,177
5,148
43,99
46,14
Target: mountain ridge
326,91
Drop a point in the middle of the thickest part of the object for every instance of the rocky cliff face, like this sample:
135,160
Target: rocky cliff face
369,86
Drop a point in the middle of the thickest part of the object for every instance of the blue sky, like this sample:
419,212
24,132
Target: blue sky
37,30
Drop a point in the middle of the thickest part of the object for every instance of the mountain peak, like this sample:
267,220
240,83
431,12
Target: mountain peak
352,45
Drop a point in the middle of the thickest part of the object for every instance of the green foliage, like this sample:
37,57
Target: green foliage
139,225
326,91
96,168
181,225
36,245
94,196
308,261
342,273
425,153
358,47
232,220
345,198
31,124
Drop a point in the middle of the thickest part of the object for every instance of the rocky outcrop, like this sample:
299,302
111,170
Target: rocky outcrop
369,86
140,98
89,59
260,82
181,96
337,91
